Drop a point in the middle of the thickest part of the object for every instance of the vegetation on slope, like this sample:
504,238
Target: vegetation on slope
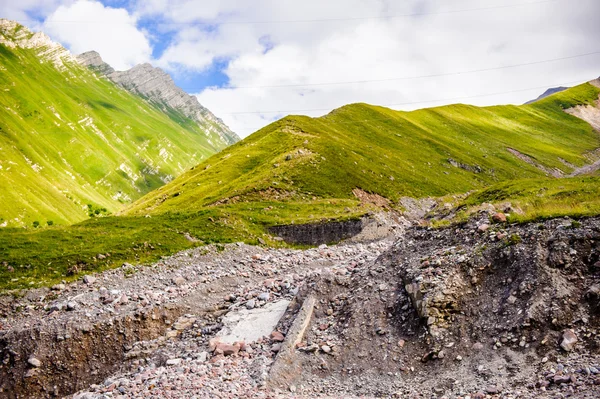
537,199
430,152
31,258
69,139
301,170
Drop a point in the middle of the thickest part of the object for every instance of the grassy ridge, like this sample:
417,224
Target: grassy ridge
430,152
301,169
68,139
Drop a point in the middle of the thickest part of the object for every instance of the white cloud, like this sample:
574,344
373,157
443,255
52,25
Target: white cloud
315,41
89,25
440,41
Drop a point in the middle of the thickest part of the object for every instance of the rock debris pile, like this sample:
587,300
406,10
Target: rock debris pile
481,310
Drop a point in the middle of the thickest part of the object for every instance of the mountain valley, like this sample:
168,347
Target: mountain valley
147,251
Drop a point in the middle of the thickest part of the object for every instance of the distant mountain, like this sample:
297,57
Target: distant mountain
72,143
156,86
547,93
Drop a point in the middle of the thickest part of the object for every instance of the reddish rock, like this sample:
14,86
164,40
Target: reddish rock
269,283
277,336
226,349
499,218
212,344
483,228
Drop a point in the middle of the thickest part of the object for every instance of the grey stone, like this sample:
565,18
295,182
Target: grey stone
264,296
34,362
203,356
89,279
250,325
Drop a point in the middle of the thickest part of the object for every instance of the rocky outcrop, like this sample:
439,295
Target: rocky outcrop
371,227
14,35
92,60
318,233
156,86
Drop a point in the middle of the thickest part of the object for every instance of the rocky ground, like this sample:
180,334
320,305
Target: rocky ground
483,310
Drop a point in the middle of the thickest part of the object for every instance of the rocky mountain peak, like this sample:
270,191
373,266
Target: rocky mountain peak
93,60
15,35
159,88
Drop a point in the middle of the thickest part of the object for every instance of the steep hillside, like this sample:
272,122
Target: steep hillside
156,86
430,152
301,170
72,144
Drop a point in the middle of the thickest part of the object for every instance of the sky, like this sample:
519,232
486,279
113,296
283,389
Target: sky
254,61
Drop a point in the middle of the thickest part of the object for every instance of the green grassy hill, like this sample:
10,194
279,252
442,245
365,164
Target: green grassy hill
430,152
302,169
72,143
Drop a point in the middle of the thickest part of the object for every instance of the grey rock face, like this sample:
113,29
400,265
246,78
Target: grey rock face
156,86
92,60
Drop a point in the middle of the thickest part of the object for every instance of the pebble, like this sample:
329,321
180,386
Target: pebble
569,340
483,227
499,218
89,280
277,336
179,281
34,362
203,356
264,296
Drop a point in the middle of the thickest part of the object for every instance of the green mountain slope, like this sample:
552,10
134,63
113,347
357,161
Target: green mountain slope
302,170
430,152
69,138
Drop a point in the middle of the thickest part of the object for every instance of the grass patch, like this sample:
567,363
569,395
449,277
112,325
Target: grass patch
43,257
539,199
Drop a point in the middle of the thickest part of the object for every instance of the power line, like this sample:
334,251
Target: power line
407,77
404,103
417,14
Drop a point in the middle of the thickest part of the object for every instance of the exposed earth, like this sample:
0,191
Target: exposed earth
481,310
